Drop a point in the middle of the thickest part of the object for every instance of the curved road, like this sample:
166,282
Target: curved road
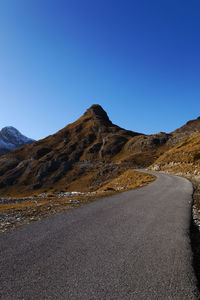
134,245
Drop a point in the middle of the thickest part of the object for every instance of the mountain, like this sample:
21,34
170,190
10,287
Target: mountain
192,126
183,154
11,138
183,159
82,149
80,157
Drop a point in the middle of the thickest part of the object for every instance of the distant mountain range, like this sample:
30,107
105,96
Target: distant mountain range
83,155
11,138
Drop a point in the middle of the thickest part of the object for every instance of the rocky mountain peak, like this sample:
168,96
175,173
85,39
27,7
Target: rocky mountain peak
98,112
67,158
11,138
9,131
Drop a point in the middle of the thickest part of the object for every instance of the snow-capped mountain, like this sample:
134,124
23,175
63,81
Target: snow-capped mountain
11,138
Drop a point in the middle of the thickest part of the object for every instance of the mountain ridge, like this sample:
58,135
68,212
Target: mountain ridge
81,156
11,138
189,127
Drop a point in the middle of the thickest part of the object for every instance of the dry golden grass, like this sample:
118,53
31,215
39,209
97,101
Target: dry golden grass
52,163
184,158
130,179
37,208
23,205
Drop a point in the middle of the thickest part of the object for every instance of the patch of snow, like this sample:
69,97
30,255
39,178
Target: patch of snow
11,138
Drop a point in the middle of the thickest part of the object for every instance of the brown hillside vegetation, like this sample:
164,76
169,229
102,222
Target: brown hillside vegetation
83,155
183,159
190,127
88,159
20,211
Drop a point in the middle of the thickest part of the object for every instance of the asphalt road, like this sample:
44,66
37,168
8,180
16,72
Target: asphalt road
134,245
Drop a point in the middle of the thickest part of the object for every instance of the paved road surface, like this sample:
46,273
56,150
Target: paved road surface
134,245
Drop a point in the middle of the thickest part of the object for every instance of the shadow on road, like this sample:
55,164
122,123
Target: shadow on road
195,244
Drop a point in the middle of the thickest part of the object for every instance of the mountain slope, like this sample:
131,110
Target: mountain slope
62,158
83,156
183,159
191,126
11,138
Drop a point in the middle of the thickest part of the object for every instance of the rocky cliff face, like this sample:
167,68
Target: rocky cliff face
11,138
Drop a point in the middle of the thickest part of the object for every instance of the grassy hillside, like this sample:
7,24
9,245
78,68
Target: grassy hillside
181,159
82,156
19,211
88,159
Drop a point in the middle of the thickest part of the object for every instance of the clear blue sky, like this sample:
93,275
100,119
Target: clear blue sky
139,59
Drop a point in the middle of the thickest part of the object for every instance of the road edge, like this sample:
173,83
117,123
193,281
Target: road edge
195,242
